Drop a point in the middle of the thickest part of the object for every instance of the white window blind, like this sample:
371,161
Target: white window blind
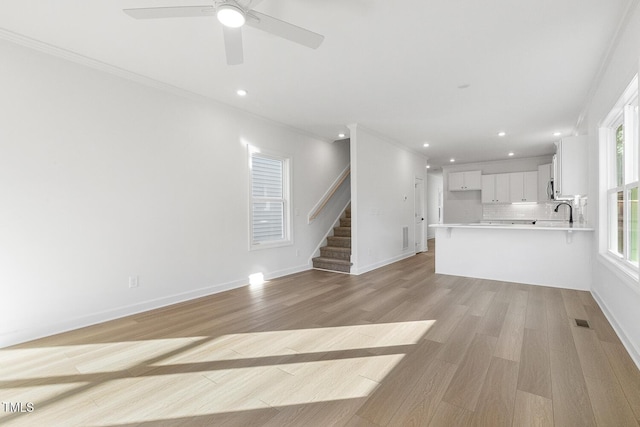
269,199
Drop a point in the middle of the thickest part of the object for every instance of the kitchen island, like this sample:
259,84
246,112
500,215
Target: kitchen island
552,254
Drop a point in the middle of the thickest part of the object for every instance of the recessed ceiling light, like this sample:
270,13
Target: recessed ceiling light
230,16
241,92
557,133
452,160
502,133
511,154
341,135
428,166
426,144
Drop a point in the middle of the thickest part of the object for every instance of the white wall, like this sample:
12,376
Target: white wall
466,206
382,199
619,297
434,188
103,178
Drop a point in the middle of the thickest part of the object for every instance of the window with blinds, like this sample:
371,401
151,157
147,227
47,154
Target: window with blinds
269,200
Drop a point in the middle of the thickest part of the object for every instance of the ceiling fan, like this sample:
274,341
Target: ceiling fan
233,15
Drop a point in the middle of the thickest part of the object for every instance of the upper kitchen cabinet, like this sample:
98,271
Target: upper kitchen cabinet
545,189
523,187
495,188
463,181
570,168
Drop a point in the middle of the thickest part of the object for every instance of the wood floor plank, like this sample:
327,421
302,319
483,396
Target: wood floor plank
610,406
626,372
420,404
448,415
599,323
559,325
592,357
571,404
509,344
390,395
492,321
536,317
456,346
467,382
532,411
496,401
535,372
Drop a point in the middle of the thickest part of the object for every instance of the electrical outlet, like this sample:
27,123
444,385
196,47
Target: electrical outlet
134,282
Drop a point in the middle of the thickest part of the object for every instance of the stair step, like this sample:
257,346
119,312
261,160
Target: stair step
332,264
347,212
345,222
343,242
342,231
335,252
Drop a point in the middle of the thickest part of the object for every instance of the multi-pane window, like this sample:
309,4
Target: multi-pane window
269,219
621,134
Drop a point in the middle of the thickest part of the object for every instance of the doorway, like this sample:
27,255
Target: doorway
420,237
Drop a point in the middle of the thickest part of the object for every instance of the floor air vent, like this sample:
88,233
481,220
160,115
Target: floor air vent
582,323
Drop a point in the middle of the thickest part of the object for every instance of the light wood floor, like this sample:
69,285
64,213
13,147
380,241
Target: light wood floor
397,346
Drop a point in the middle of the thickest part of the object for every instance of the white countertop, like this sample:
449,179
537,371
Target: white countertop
541,225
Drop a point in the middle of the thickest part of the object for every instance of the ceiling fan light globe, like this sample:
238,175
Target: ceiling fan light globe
231,16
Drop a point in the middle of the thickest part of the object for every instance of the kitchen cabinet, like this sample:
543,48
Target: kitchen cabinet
570,168
523,187
544,183
464,181
495,188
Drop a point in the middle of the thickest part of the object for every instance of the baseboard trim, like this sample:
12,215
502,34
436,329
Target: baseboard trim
30,334
628,344
380,264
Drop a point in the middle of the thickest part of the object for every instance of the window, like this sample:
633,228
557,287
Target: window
269,207
619,162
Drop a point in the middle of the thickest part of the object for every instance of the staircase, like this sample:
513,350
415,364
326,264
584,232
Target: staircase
336,255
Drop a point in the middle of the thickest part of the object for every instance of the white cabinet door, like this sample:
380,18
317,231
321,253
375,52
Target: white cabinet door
456,181
571,178
463,181
523,187
502,188
473,180
495,188
516,187
488,188
530,187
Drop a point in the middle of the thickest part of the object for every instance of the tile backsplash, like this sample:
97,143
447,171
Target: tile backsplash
539,211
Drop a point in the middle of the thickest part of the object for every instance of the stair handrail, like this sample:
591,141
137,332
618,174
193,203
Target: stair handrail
328,194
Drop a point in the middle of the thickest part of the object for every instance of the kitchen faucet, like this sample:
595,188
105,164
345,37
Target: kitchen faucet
570,210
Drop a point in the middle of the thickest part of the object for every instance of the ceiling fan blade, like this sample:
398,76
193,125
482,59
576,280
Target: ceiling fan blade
170,12
284,29
233,45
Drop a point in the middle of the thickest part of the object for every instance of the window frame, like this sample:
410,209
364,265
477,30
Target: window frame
623,113
287,239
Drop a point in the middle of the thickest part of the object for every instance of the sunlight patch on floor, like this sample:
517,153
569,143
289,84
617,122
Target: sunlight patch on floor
139,381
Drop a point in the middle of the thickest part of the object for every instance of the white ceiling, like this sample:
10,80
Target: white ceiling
391,66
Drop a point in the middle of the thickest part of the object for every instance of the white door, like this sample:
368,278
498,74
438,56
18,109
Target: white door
419,215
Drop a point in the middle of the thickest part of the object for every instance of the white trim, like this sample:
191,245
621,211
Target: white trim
311,217
626,275
628,344
287,163
380,264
